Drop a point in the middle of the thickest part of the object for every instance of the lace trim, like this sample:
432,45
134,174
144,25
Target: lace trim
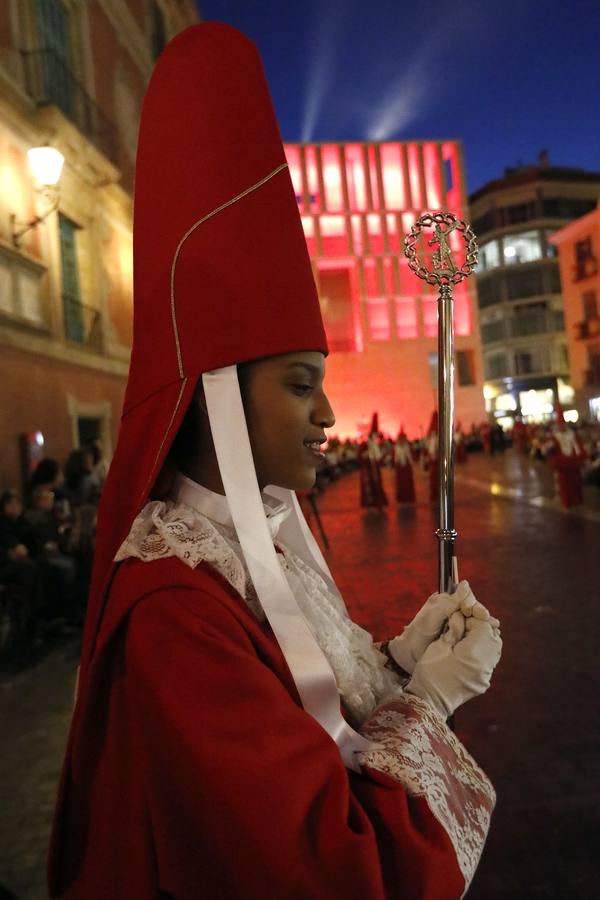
427,759
166,529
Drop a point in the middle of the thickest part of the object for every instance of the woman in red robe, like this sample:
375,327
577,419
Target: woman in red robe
370,462
208,754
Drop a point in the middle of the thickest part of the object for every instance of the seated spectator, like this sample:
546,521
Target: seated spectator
56,565
18,570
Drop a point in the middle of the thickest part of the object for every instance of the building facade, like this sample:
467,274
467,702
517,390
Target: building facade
524,342
357,201
579,259
72,75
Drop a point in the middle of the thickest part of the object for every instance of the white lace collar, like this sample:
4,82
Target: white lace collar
216,507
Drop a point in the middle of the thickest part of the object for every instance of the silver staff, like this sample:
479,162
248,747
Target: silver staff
445,275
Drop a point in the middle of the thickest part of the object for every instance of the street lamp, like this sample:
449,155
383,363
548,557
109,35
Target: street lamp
46,165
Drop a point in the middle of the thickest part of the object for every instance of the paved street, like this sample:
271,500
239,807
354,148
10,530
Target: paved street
535,732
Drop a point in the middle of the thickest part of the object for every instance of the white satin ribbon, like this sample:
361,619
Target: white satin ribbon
308,665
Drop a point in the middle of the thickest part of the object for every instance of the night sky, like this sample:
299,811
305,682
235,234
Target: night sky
507,77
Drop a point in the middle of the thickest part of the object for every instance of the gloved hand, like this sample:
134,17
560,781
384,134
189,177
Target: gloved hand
458,665
408,648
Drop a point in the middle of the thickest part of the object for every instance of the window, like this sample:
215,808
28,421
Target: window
489,290
378,315
528,283
55,54
593,369
465,367
496,366
523,247
566,208
489,256
20,291
589,302
585,262
406,317
72,308
528,362
335,293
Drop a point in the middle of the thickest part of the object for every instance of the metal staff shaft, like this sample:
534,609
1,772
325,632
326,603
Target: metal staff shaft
445,274
446,533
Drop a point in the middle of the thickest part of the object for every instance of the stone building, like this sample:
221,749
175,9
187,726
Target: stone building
525,347
579,259
72,76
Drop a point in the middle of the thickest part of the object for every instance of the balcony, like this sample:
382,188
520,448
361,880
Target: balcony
50,82
523,325
589,328
536,323
83,324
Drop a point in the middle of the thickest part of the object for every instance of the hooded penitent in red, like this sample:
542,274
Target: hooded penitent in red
193,769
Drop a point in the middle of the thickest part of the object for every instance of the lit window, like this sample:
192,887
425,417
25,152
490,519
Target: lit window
393,234
432,176
357,235
375,234
372,288
489,256
462,312
332,177
334,239
388,276
430,316
393,178
523,247
355,177
378,315
406,317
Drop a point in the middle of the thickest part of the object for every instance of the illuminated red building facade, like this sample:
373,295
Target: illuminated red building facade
357,201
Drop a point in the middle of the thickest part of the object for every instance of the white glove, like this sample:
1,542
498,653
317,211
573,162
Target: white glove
431,620
458,665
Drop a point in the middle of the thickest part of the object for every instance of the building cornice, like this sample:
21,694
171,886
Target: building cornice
41,345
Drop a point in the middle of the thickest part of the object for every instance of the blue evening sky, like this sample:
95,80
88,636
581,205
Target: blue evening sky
507,77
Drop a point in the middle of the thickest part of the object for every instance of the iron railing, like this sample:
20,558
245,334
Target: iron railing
50,82
83,324
523,325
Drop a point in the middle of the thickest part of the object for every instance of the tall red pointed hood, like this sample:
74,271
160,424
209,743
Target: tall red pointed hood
374,429
221,270
433,424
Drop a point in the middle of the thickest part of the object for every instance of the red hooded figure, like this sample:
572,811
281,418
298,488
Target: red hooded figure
567,457
370,462
403,470
209,755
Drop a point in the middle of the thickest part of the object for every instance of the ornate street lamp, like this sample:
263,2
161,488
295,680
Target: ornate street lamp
46,165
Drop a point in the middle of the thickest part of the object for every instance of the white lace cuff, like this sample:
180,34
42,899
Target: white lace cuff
427,759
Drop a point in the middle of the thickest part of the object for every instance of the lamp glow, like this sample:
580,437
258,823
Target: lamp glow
46,164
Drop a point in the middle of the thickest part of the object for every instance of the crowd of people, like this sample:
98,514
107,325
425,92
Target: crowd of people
573,452
46,548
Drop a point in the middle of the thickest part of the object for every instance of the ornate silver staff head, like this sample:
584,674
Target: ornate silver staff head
445,274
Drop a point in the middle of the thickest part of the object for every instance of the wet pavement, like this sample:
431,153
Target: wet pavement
536,731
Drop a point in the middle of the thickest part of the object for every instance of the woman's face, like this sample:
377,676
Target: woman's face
287,412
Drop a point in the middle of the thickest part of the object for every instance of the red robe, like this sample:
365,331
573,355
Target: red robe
568,472
405,482
193,771
371,484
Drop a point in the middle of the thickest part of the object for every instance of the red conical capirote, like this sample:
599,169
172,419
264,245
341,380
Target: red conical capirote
221,269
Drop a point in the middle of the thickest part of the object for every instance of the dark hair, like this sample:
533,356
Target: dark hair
93,448
45,472
6,496
75,468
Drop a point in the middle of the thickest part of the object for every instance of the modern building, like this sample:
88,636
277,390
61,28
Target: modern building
525,346
72,75
357,201
579,259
